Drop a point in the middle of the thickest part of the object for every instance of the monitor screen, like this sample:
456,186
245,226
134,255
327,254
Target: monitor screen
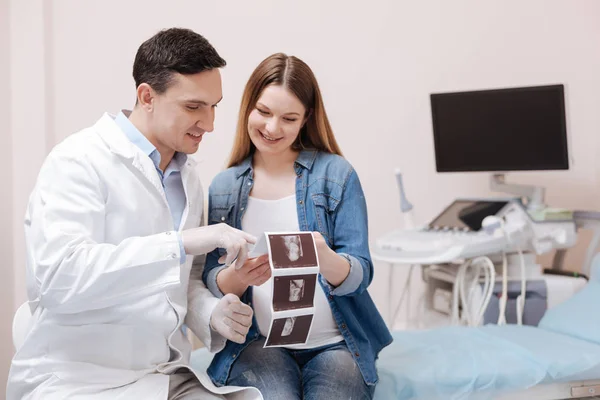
519,129
466,215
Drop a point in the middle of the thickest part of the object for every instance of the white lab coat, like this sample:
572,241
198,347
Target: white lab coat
105,285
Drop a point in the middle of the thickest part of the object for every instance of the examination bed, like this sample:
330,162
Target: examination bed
559,359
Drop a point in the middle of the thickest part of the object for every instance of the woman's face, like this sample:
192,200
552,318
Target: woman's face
276,120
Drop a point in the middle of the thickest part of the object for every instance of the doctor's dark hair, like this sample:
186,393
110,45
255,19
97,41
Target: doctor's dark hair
296,76
174,50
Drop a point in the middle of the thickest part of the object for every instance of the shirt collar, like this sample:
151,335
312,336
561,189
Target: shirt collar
305,159
137,138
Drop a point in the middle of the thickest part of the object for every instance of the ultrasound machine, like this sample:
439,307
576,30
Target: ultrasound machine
478,256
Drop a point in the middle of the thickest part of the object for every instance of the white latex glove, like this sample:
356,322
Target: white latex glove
205,239
231,318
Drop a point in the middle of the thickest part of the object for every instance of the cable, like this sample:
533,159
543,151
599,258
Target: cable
491,223
455,290
521,298
520,306
407,210
464,291
504,295
490,279
405,292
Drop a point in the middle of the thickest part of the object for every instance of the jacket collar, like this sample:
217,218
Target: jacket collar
115,139
118,142
305,159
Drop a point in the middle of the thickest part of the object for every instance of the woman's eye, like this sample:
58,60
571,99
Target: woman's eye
263,112
192,107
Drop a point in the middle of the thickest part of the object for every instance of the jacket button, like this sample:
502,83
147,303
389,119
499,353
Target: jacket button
357,354
330,297
168,233
300,202
233,356
249,183
222,218
343,326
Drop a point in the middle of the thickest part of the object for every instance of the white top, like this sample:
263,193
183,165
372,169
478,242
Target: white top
281,216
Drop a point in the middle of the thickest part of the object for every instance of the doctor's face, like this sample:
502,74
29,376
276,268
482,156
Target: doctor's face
186,110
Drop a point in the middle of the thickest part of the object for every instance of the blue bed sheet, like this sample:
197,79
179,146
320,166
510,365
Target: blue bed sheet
469,363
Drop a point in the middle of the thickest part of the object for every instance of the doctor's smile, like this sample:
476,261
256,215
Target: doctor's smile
197,137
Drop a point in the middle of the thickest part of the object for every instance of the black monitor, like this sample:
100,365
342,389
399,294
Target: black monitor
517,129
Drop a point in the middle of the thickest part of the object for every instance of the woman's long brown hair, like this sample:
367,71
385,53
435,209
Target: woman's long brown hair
293,74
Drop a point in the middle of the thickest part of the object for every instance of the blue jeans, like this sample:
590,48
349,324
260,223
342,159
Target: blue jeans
327,372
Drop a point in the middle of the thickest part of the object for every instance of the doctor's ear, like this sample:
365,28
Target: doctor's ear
145,96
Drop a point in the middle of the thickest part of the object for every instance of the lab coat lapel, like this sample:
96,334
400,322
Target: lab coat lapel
145,165
191,188
118,143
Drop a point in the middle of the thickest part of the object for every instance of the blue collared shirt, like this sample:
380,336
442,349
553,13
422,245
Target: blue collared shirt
171,178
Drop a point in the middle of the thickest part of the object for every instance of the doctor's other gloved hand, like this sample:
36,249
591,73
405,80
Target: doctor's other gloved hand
205,239
231,318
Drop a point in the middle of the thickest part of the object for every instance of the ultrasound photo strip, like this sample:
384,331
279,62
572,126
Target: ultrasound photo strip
292,250
294,291
289,330
295,272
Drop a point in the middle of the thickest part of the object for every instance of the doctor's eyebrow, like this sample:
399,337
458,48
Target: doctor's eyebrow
202,102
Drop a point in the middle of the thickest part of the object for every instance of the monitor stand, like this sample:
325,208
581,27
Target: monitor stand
533,194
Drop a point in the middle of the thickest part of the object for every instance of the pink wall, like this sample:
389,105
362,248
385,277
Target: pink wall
376,66
6,204
31,117
24,39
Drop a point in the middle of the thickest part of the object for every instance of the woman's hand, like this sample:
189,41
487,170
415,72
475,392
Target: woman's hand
321,244
254,272
334,267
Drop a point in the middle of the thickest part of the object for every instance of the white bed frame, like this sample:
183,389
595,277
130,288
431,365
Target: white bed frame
557,391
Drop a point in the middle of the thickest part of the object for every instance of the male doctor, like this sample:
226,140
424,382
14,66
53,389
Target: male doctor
112,228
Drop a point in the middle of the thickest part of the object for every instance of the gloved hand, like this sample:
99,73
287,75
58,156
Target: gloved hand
205,239
231,318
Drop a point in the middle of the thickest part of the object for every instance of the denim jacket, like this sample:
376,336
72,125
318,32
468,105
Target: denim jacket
329,200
